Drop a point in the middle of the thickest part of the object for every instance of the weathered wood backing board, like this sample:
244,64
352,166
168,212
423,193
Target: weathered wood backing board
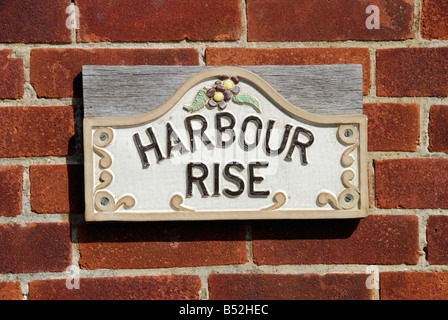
126,91
127,107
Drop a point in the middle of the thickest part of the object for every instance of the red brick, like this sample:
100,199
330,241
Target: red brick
288,287
434,19
57,188
412,72
377,239
38,247
322,20
437,239
414,285
172,287
12,79
393,126
170,20
11,186
161,245
56,73
10,291
411,183
24,21
292,56
36,131
438,129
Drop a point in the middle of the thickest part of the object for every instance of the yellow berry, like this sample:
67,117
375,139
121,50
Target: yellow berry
228,84
218,97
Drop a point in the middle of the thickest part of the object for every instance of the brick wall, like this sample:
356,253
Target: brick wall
42,229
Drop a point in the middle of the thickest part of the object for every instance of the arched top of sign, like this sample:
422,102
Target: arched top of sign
243,75
225,146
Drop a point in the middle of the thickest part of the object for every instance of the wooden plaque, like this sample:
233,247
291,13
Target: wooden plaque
225,146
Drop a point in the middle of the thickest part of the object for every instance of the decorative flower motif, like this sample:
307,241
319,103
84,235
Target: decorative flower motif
224,90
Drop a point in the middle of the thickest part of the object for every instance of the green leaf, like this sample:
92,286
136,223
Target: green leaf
247,99
199,101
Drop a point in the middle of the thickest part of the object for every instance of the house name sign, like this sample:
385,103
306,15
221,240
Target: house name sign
225,146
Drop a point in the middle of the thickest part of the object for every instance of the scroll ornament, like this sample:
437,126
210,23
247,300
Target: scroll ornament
348,198
104,200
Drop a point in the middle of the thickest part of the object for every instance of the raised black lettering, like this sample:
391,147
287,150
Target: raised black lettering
192,132
282,147
259,125
216,181
142,149
256,179
235,179
227,129
172,137
295,142
198,180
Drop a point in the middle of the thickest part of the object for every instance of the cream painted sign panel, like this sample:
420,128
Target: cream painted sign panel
225,146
